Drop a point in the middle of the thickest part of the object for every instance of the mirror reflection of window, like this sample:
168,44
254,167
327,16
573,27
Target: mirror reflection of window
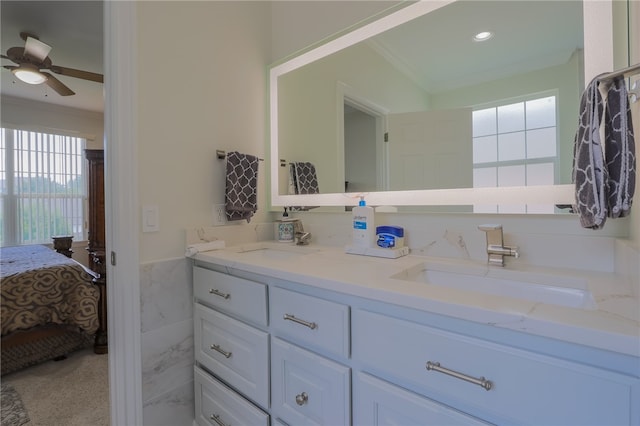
515,144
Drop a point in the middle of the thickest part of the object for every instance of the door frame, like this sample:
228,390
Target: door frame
350,96
121,218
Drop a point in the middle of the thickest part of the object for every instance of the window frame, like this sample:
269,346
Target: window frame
10,197
555,160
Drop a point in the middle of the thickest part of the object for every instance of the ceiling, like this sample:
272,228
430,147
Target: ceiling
74,30
438,51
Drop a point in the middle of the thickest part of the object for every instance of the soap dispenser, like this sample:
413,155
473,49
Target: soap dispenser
364,229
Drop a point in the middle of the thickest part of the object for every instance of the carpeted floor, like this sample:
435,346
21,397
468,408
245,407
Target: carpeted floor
71,392
12,410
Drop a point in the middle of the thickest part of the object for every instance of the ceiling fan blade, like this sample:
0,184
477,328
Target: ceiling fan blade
9,67
70,72
36,49
57,85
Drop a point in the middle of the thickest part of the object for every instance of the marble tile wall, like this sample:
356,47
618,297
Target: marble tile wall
166,317
166,321
552,242
628,263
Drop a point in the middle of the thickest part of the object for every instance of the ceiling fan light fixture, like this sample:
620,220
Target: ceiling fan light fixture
483,36
29,74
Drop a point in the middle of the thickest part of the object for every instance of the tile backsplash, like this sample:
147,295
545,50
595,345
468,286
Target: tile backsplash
542,241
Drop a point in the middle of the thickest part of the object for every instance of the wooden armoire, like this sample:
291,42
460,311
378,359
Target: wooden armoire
96,237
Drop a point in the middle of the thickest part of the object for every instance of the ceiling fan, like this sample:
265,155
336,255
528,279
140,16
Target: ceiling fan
33,58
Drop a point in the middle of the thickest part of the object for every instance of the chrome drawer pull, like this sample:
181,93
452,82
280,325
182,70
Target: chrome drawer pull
216,418
218,349
302,398
482,382
219,293
311,325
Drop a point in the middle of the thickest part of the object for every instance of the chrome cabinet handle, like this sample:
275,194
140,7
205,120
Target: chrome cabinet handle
216,418
219,293
302,398
311,325
482,382
217,348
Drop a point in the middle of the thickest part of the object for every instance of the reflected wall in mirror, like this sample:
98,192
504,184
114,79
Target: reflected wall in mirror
422,107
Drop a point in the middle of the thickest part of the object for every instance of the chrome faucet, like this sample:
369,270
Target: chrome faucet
301,237
496,250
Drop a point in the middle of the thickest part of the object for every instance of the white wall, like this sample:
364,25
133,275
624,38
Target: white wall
219,51
49,118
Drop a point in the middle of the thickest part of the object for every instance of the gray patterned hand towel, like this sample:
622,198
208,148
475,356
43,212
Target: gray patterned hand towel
302,180
241,195
619,150
589,171
305,178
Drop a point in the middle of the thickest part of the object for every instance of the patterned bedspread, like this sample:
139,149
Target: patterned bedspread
40,286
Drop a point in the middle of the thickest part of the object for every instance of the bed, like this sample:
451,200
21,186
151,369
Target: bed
49,307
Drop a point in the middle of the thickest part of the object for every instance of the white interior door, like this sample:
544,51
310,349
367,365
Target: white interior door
430,150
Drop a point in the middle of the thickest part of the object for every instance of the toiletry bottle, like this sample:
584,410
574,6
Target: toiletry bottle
364,229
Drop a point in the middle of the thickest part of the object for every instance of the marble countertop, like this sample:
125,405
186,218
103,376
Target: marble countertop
599,309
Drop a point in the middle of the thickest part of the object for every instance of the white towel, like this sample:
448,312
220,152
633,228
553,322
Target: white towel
194,249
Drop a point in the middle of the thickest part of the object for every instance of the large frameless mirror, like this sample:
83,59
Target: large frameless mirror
411,110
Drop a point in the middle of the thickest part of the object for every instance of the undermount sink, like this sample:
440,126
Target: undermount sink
536,287
277,253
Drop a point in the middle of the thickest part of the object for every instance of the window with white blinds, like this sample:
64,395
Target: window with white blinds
42,187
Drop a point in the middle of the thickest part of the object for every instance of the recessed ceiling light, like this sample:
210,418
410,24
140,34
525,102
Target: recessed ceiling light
483,36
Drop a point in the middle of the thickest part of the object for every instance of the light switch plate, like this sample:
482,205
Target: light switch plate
150,219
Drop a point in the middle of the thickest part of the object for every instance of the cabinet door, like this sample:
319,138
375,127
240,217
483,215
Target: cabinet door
308,389
235,352
377,403
218,405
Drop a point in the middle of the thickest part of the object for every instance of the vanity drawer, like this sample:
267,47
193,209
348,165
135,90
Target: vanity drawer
376,402
216,404
233,351
525,387
313,322
307,388
239,297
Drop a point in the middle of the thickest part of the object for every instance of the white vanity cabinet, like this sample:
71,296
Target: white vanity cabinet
219,405
277,352
229,344
378,403
489,380
307,387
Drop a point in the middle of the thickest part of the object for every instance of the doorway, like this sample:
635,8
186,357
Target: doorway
362,129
